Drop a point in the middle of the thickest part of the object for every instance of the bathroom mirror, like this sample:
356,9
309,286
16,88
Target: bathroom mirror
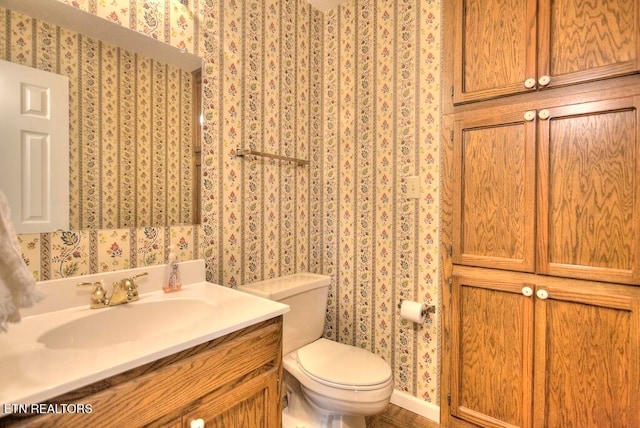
134,114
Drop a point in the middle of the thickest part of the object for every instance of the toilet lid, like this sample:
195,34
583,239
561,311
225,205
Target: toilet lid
337,364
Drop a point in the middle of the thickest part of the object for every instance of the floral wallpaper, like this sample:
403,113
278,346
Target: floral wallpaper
130,125
63,254
381,109
356,92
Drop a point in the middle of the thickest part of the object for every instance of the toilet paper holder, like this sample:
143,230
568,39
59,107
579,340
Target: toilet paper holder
429,309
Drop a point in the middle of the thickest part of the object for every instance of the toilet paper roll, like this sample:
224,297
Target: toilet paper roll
413,311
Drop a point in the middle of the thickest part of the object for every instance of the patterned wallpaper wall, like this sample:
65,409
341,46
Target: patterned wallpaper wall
130,125
262,218
381,125
356,92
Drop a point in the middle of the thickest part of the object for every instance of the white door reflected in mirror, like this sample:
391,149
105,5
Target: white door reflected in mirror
34,147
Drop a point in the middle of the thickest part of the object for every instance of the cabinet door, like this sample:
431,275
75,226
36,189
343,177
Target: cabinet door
587,344
509,47
587,40
589,191
491,351
495,48
494,206
250,403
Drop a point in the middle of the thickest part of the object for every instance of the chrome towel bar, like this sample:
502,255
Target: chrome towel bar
245,152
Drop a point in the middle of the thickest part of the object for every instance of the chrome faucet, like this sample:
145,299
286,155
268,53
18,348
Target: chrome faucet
124,291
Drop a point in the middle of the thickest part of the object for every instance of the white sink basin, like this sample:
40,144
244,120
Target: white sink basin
126,323
61,345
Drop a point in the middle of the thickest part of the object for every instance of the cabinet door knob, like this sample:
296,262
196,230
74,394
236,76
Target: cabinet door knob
544,114
542,294
529,115
527,291
544,80
530,83
197,423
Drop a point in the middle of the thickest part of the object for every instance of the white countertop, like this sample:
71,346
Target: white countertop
31,372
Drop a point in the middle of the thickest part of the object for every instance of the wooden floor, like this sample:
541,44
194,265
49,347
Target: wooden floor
397,417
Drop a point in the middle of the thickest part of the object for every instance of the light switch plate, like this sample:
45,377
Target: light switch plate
413,187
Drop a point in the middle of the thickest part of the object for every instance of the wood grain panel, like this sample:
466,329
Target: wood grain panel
587,348
498,45
582,41
494,206
238,407
495,48
589,189
493,221
586,371
575,371
492,356
446,265
488,27
592,163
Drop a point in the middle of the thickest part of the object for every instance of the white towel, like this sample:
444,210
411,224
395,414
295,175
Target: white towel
17,284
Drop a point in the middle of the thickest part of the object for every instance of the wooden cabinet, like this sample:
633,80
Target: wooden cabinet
540,213
584,211
495,48
233,381
540,351
509,47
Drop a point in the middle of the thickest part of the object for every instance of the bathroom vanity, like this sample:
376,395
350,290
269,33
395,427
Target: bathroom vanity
221,368
232,381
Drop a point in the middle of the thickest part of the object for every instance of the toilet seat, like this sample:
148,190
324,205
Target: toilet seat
343,366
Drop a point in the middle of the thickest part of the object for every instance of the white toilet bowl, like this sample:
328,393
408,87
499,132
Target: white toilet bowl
340,384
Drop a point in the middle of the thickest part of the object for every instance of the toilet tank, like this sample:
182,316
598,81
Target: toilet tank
306,295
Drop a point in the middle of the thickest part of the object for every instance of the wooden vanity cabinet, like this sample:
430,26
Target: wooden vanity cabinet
529,350
232,381
510,47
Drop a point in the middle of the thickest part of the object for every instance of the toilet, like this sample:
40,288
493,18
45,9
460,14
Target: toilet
327,384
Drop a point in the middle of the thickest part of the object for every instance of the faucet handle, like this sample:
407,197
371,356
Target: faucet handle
87,284
97,284
99,296
131,287
129,284
138,275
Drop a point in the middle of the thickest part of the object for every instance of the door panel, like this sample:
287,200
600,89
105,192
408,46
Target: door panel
589,191
252,403
582,41
495,187
34,148
586,369
491,352
495,48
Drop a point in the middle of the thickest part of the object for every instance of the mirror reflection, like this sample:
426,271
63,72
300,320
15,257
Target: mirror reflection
133,119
